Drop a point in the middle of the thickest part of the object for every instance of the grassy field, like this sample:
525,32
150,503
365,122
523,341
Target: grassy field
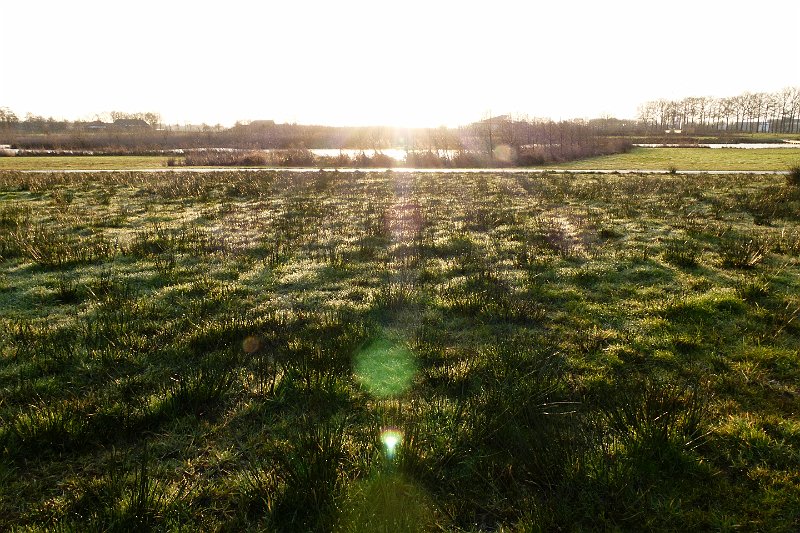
693,159
94,162
637,159
336,351
730,137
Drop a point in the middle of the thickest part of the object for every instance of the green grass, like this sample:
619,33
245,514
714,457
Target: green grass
346,351
722,137
693,159
97,162
767,137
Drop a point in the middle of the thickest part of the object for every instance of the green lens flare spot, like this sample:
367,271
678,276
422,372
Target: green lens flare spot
385,368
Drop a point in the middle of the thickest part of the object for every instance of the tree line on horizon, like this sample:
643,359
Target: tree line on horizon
32,123
500,140
776,112
528,139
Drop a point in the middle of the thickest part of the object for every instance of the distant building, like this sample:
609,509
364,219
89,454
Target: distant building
131,124
495,120
493,124
759,126
96,125
262,124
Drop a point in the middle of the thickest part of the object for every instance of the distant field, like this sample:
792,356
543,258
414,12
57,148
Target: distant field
638,158
693,159
733,137
96,162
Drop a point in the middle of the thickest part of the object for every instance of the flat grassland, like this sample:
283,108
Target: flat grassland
740,159
399,352
83,162
688,159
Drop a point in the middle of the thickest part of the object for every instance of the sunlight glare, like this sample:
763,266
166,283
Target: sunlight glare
391,438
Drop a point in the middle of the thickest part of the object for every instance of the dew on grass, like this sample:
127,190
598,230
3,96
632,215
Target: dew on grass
388,502
403,220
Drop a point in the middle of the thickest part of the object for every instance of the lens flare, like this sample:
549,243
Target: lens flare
385,368
403,220
251,344
503,153
391,439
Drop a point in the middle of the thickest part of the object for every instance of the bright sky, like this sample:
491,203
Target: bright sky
404,63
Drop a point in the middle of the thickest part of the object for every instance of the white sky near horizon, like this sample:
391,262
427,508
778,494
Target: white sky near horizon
410,63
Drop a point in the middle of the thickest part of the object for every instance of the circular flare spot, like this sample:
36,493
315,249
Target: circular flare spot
503,153
251,344
385,368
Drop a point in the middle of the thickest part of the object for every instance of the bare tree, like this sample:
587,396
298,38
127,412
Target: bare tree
152,118
793,109
777,112
7,118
